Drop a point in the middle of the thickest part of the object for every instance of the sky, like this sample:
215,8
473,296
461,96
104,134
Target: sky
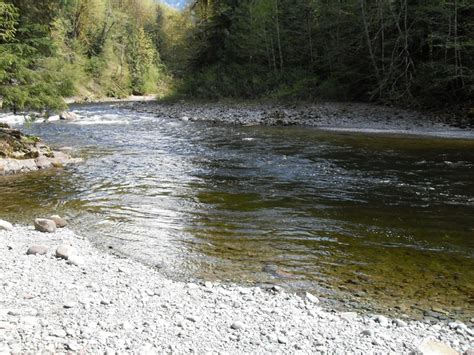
176,3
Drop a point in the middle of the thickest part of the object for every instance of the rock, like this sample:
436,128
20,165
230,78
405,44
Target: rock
282,339
382,320
65,251
237,325
400,323
76,260
4,225
349,316
367,332
58,333
67,116
43,162
60,222
73,346
311,298
433,347
37,249
192,319
69,305
45,225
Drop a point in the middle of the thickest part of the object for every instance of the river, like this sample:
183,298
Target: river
372,221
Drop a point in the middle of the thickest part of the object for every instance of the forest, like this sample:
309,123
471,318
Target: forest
402,52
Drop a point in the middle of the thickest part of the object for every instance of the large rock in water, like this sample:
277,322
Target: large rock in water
4,225
45,225
67,116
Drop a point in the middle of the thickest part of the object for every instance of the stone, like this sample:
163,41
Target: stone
45,225
400,323
37,249
367,332
67,116
43,162
382,320
237,325
69,304
59,333
434,347
60,222
73,346
4,225
76,260
282,339
65,251
349,316
311,298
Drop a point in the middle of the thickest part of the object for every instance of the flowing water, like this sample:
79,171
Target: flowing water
379,221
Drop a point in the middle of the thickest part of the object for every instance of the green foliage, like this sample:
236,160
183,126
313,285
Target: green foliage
404,52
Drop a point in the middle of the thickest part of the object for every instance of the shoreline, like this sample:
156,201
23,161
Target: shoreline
324,115
113,304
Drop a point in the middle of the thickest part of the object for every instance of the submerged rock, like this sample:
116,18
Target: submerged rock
45,225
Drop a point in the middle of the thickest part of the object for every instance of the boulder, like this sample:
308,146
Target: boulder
37,250
67,116
65,251
4,225
60,222
434,347
45,225
43,162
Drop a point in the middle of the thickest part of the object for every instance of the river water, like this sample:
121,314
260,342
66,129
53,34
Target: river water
374,221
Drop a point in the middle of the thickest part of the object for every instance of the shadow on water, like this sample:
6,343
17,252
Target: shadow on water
374,221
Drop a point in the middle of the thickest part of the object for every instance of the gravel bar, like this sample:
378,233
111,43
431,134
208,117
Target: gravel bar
81,299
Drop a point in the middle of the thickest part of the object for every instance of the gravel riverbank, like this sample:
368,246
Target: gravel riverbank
323,115
99,303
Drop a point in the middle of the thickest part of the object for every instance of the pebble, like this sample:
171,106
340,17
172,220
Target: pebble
59,333
37,249
70,304
282,339
45,225
76,260
65,251
382,320
4,225
400,323
237,325
367,332
311,298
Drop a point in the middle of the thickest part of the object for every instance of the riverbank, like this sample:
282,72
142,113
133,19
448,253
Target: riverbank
109,304
326,115
20,153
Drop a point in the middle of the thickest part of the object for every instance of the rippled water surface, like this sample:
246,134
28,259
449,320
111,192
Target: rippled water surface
369,219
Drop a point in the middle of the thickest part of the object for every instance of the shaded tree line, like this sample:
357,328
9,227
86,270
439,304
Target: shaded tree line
401,51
